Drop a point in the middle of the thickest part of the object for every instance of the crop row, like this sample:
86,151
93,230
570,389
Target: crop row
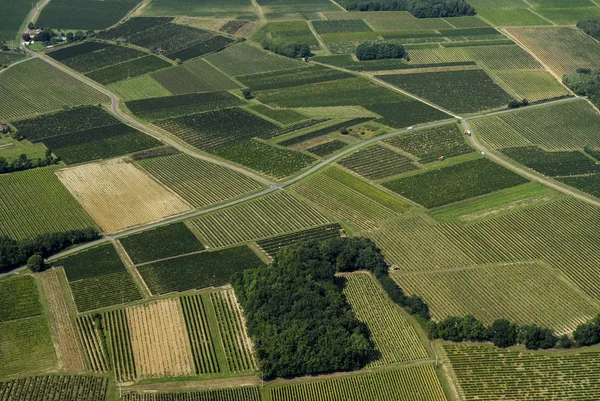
294,77
229,394
553,164
377,162
140,87
294,128
395,338
175,106
118,337
92,343
194,76
34,202
21,298
273,214
55,388
428,145
324,27
69,14
77,50
272,246
237,344
282,116
212,45
102,58
203,349
589,184
324,131
128,69
406,113
327,148
198,270
133,26
199,182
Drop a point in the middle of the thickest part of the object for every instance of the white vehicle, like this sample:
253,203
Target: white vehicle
410,128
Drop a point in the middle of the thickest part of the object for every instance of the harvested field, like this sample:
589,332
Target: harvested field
118,195
159,340
69,349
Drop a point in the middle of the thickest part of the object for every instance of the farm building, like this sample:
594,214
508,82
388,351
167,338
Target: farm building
32,32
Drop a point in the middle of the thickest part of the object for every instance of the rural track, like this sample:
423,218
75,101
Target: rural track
276,186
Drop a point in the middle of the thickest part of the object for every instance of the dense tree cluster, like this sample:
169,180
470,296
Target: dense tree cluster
590,27
379,50
418,8
585,82
588,333
23,163
16,253
592,152
292,50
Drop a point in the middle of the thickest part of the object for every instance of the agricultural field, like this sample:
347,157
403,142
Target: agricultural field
271,246
198,270
322,132
30,95
140,87
26,343
118,339
273,214
553,164
588,183
523,375
288,32
563,49
237,9
160,108
194,308
7,58
524,293
95,350
405,113
119,196
107,283
35,202
55,388
531,85
418,383
334,192
395,338
429,144
95,14
292,77
13,13
297,9
198,182
505,57
128,69
451,184
377,162
562,126
282,116
327,148
238,393
193,76
512,17
161,243
95,60
459,91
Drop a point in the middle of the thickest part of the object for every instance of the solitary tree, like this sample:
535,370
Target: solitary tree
36,263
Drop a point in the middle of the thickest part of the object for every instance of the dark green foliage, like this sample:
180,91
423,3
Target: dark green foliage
503,333
206,131
23,163
292,128
465,91
324,131
553,164
102,58
294,77
418,8
587,333
133,26
160,243
176,106
327,148
586,183
451,184
564,342
201,270
100,143
104,291
128,69
429,144
56,388
592,152
156,152
90,263
214,44
335,26
20,298
377,162
273,245
585,82
272,160
590,27
455,328
14,253
93,14
535,337
63,122
379,51
299,317
35,263
347,62
77,50
291,50
406,113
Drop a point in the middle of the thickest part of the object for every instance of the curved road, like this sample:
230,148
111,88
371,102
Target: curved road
275,186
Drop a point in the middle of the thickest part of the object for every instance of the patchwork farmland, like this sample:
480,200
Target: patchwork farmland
275,200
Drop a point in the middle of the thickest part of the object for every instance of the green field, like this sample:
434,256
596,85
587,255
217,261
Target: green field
7,58
31,95
512,17
199,182
589,183
128,69
161,243
288,32
197,271
459,91
21,298
523,293
531,85
553,164
270,215
140,87
240,393
99,59
13,14
451,184
505,57
237,9
396,340
273,245
292,77
94,14
296,9
327,148
35,202
488,373
562,126
282,116
570,15
55,388
377,162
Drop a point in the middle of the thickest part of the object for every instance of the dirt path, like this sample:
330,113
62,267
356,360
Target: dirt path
322,43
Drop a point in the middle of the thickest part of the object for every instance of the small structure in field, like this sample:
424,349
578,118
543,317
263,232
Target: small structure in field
4,129
32,32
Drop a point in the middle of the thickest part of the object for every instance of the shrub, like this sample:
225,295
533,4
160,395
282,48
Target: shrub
587,334
35,263
503,333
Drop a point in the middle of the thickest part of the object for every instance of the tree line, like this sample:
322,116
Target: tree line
23,162
291,50
16,253
379,51
585,82
590,27
418,8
